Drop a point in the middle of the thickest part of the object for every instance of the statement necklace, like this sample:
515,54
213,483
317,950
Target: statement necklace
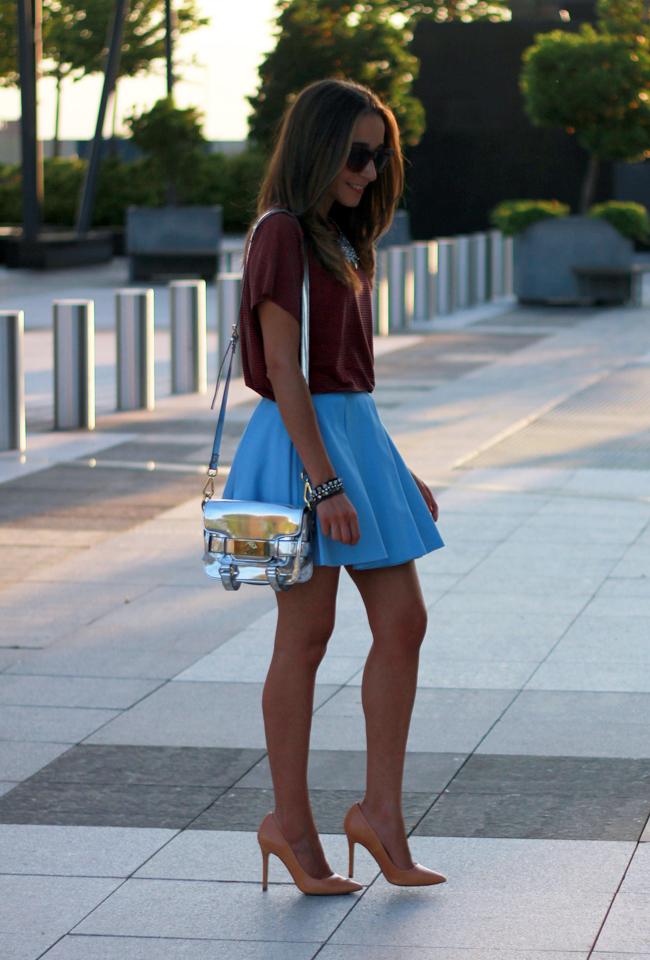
349,252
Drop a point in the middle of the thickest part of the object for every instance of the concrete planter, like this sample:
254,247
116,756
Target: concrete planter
174,241
546,252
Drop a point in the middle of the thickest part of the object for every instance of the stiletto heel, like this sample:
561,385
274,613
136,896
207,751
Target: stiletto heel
265,869
351,859
358,830
272,840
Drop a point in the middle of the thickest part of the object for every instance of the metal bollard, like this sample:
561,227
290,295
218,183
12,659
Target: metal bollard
231,261
478,268
12,381
495,274
508,266
380,294
425,274
134,329
461,300
74,364
400,288
228,298
188,336
446,286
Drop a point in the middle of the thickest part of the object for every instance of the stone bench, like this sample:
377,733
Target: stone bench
602,284
173,242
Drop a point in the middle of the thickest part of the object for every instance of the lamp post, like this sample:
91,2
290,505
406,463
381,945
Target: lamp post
29,58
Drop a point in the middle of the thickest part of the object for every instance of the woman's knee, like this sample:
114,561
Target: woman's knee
306,640
405,629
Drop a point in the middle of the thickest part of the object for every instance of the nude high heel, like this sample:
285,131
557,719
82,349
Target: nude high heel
358,830
272,840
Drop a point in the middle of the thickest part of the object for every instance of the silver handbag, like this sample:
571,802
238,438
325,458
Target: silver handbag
247,541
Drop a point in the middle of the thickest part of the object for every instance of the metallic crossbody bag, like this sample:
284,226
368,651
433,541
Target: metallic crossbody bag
247,541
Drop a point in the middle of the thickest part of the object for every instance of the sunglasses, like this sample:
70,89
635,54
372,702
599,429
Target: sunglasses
360,156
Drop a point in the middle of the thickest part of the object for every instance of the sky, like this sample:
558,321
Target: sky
228,51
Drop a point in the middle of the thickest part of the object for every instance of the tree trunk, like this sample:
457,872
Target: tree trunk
113,144
56,143
589,183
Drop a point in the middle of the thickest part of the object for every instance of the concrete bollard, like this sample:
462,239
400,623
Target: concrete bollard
188,336
12,381
461,272
446,285
228,299
425,275
508,266
400,288
74,364
495,256
134,329
478,268
380,294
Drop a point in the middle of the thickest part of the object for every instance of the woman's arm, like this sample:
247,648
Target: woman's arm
281,336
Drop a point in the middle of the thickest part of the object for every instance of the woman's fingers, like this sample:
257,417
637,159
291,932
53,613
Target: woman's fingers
339,520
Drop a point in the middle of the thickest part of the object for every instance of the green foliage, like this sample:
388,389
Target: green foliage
335,38
594,85
74,36
231,181
513,216
630,219
171,137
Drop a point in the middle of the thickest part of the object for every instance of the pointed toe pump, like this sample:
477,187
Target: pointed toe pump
358,830
272,840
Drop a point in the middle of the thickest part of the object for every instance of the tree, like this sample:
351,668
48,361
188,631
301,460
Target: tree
172,138
595,83
74,39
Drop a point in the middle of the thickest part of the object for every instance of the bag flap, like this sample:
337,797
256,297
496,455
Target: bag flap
252,520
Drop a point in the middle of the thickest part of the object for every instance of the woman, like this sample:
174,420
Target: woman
337,168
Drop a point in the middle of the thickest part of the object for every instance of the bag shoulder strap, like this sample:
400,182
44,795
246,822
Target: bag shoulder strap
229,352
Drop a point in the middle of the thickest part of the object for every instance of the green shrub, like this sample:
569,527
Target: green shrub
631,219
513,216
232,181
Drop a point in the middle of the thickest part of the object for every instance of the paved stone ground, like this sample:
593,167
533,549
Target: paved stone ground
132,761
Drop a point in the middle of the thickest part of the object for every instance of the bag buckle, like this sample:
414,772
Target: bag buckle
208,489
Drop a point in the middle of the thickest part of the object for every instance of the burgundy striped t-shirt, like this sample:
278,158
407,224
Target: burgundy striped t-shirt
340,324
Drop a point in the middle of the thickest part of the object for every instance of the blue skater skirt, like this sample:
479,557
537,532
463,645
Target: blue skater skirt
395,523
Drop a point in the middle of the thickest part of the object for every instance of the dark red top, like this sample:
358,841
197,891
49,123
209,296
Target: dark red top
340,324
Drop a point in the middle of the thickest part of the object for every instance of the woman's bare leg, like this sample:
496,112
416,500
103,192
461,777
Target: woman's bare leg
305,622
398,619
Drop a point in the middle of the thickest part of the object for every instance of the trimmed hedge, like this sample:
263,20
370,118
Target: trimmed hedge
232,181
513,216
631,219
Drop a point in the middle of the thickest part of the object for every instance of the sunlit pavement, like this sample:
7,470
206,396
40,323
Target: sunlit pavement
132,758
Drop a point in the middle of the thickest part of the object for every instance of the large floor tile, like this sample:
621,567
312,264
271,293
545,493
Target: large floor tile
595,676
243,808
507,578
346,770
627,927
341,951
226,911
77,851
443,720
605,638
23,690
569,723
547,816
508,602
550,895
198,715
21,758
103,804
126,764
226,665
236,856
484,635
51,724
49,905
91,947
24,946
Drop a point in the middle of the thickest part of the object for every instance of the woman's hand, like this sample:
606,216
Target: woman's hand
428,496
338,518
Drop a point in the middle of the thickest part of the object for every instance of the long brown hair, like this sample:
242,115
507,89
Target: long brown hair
312,146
